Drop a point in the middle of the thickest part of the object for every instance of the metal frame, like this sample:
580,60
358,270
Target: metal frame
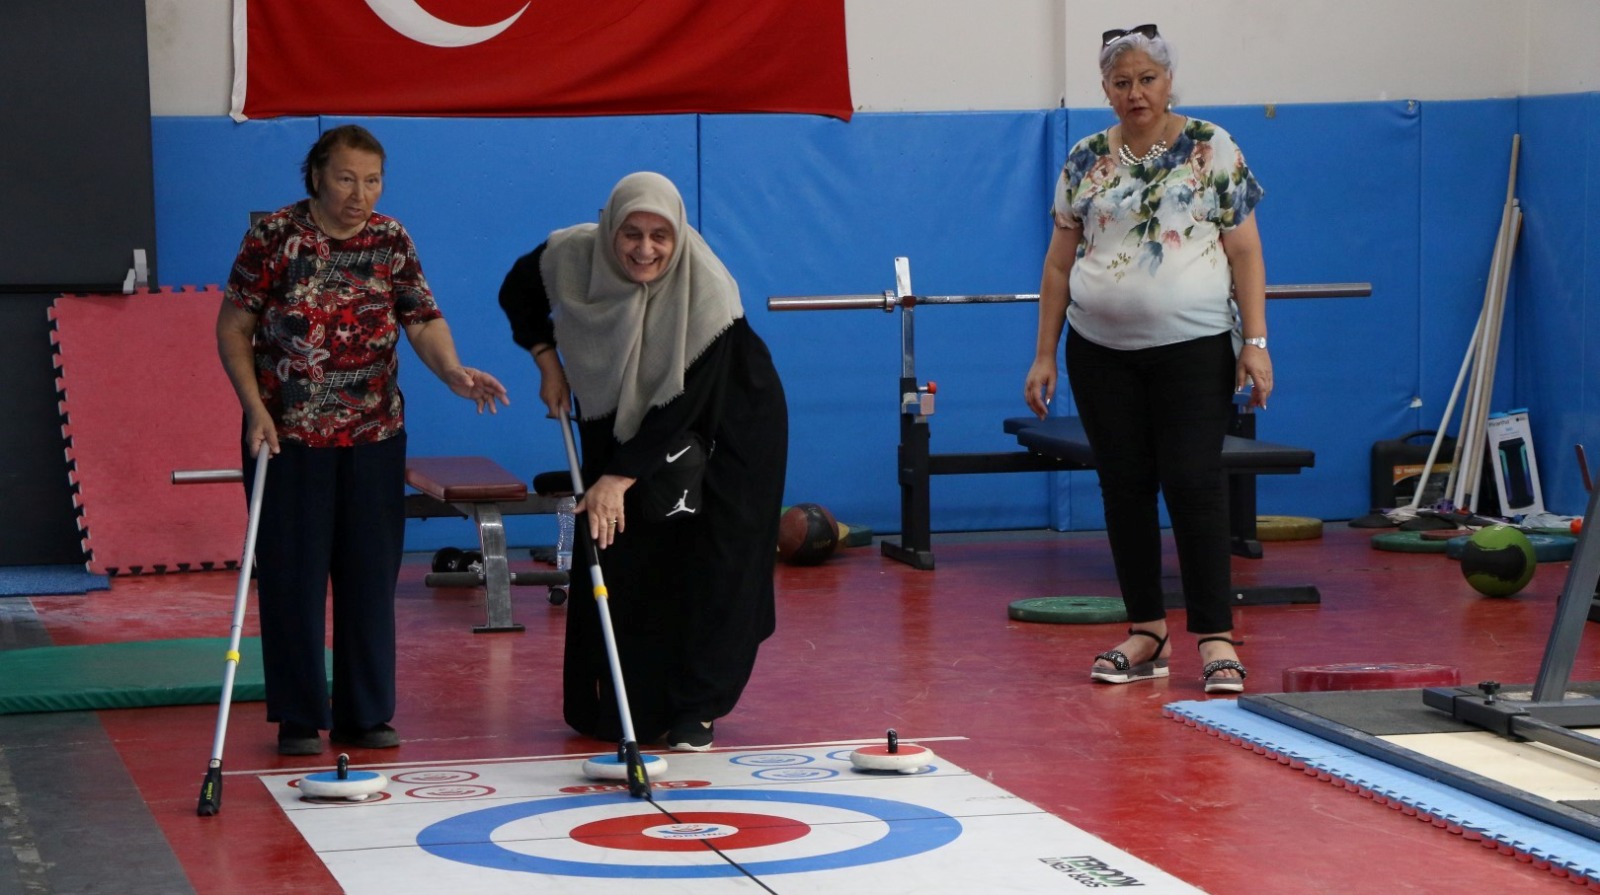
916,464
488,518
1549,710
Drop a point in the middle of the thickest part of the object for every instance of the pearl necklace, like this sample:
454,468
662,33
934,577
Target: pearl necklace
1157,150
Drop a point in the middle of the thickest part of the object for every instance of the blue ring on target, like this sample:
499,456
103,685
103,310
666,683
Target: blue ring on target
467,838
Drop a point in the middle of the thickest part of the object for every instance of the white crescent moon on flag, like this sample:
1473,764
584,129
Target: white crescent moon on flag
411,20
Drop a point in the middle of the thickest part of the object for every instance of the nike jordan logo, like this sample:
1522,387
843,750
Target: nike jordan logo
673,458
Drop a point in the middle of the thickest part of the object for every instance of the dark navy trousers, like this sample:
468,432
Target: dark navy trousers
330,516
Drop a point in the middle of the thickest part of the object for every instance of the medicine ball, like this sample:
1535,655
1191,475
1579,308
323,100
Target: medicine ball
1498,561
807,534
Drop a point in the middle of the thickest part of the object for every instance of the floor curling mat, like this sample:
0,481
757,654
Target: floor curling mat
786,820
1429,799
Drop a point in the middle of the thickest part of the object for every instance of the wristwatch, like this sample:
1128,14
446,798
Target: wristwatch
1257,342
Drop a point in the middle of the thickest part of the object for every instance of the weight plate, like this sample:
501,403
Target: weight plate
1406,542
1287,528
1546,548
854,535
1069,610
1369,676
1443,534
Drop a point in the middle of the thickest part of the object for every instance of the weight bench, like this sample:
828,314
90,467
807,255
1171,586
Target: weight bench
1057,444
485,492
474,488
1063,438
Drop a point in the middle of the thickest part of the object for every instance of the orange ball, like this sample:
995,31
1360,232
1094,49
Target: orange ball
1577,525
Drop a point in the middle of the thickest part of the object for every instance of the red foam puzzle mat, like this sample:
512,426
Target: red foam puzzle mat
143,394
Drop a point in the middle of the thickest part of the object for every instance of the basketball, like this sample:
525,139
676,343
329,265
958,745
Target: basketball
807,534
1498,561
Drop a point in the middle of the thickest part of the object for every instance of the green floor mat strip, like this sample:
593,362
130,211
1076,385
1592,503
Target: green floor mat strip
125,675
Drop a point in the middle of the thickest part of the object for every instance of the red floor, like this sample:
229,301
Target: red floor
866,644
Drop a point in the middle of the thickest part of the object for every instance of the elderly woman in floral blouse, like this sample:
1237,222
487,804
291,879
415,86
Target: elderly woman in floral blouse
1155,270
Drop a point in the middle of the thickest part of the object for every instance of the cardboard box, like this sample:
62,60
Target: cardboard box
1516,472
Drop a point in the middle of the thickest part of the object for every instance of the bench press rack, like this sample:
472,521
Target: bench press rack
917,464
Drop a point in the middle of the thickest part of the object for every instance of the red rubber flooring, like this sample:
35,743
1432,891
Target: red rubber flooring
866,644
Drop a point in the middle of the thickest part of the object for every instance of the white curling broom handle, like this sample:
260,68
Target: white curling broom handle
600,595
240,596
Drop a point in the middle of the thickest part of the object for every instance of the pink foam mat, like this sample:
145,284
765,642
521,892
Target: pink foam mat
143,394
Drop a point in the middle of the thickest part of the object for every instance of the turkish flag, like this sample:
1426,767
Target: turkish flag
538,57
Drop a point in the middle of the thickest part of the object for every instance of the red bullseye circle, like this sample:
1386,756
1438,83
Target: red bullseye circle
692,831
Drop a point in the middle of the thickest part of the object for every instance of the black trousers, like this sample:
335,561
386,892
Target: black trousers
1155,418
330,515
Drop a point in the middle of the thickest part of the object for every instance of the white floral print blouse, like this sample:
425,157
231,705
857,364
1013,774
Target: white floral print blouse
1150,269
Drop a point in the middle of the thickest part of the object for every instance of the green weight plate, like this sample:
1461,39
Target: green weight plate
1546,548
1069,610
1406,542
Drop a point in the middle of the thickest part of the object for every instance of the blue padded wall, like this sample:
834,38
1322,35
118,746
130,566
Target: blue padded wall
810,206
210,173
1466,155
1558,286
1406,196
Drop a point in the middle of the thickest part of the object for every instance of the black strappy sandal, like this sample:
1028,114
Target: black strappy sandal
1126,672
1223,684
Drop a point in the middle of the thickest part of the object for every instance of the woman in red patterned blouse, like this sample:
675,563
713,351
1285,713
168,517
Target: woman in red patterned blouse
319,295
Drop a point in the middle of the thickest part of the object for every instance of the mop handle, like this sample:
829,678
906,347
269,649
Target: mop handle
240,597
600,594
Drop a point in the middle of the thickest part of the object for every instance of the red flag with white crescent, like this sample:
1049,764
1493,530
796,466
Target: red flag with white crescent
538,57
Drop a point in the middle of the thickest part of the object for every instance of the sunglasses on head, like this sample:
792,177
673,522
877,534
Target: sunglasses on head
1116,34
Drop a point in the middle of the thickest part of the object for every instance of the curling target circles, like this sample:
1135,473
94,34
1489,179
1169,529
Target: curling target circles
730,819
908,759
610,767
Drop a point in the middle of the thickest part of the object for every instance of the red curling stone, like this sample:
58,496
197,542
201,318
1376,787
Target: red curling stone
1369,676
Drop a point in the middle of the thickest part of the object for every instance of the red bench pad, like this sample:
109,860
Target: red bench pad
464,479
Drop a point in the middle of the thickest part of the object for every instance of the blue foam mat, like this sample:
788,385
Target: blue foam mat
1475,817
39,581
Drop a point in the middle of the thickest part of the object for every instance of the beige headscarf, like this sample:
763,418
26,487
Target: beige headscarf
626,346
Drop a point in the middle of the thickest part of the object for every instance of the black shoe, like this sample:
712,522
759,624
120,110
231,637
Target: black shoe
297,739
381,736
690,736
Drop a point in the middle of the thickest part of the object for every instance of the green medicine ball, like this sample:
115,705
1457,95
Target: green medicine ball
1498,561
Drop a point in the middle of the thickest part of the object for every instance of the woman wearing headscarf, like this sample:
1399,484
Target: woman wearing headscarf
636,325
1155,268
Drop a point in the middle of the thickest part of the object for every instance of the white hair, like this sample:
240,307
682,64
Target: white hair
1157,48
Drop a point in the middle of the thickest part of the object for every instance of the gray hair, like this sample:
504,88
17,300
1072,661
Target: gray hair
1157,48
